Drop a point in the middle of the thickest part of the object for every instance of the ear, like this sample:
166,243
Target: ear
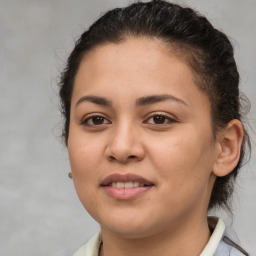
229,141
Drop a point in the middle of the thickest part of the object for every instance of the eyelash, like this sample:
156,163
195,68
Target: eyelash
85,121
166,118
154,115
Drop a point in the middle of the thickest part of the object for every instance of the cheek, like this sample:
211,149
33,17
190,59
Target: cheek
82,161
84,153
184,167
184,160
85,158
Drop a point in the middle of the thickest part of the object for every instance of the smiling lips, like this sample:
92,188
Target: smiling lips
125,187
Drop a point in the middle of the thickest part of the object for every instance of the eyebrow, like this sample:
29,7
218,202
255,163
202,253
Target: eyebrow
158,98
147,100
96,100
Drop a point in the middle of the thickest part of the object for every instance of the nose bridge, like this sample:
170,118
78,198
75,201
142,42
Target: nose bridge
124,142
124,135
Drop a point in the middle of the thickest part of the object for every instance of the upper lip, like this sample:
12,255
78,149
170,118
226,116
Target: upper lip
124,178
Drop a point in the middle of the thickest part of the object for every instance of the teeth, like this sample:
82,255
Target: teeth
120,185
136,184
128,184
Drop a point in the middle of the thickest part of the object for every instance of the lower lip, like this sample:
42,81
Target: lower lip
126,193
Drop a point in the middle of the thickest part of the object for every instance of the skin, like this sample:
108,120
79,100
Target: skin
180,155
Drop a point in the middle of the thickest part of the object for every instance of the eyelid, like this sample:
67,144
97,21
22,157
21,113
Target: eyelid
172,119
89,116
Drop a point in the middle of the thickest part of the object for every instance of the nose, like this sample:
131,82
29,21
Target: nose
125,145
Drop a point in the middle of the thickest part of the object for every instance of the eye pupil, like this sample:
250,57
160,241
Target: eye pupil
97,120
159,119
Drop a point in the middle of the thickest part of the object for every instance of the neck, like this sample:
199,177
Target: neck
186,239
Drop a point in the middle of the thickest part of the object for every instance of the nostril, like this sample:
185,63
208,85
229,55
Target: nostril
111,158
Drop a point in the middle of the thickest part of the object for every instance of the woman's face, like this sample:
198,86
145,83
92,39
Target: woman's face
141,145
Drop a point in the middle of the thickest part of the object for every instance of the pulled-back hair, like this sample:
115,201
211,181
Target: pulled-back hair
205,49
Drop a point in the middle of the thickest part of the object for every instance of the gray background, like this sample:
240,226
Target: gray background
39,210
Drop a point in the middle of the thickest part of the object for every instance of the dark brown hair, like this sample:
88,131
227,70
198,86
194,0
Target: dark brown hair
207,50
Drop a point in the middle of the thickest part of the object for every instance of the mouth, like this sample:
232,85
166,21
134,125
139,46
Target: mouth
125,181
128,184
125,187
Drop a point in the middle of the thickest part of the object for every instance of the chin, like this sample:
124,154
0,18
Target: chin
126,231
130,227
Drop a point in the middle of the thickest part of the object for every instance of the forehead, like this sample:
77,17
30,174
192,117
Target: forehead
140,64
132,56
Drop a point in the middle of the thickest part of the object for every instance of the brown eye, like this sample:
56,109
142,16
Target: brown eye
95,120
160,119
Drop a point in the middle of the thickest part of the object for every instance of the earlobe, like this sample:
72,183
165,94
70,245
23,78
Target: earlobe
229,143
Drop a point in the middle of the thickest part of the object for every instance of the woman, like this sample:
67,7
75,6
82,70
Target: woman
153,128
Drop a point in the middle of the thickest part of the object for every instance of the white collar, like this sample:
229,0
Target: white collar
91,248
218,227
